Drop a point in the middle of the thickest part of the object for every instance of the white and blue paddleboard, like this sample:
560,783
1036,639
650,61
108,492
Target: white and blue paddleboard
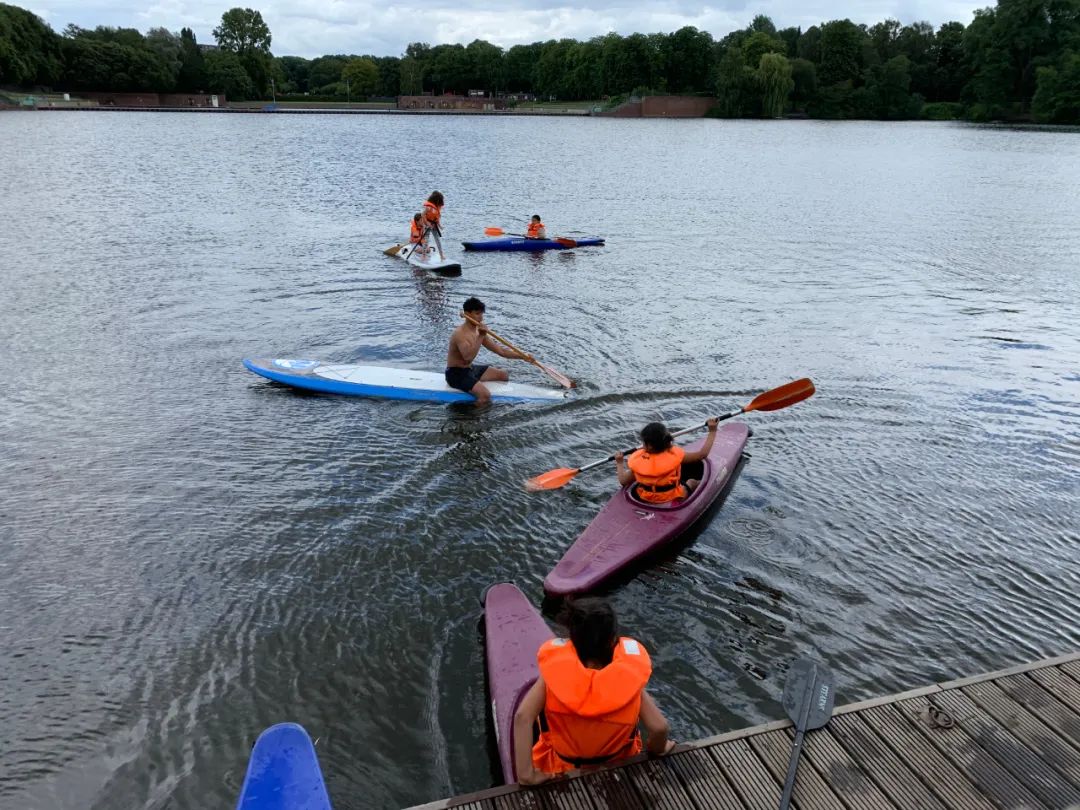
283,773
387,383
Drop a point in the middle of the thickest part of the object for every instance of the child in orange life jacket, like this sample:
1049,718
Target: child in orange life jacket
433,207
591,691
536,229
416,229
657,466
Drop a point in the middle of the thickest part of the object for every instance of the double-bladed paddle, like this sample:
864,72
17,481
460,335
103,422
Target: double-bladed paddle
808,701
562,240
772,400
558,376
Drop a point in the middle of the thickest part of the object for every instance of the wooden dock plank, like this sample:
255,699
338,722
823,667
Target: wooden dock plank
704,781
948,782
961,748
1024,724
747,773
1064,692
842,773
1011,744
1072,669
888,770
568,794
522,800
612,788
811,792
658,786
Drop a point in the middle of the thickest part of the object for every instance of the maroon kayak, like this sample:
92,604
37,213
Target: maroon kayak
514,630
628,528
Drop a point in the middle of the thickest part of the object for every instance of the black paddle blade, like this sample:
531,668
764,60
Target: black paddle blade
808,694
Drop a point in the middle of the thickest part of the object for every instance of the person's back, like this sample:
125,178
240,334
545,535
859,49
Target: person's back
416,229
433,207
656,467
591,691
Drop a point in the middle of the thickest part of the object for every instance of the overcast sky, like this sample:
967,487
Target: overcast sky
315,27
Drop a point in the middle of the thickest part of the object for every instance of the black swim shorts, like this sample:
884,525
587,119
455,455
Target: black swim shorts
463,379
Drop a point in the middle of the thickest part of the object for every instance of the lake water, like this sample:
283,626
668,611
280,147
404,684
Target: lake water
189,553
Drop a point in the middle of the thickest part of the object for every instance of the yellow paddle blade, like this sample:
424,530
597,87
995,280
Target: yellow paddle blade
552,479
393,251
783,396
494,231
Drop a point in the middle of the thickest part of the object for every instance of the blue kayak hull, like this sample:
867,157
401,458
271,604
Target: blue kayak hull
283,773
520,243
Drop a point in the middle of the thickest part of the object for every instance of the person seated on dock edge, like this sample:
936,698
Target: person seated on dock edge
657,465
589,698
536,229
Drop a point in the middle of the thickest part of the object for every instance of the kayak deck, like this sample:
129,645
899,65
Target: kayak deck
386,383
283,772
427,258
628,528
519,243
514,631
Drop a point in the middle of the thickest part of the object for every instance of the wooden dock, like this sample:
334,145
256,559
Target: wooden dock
1002,741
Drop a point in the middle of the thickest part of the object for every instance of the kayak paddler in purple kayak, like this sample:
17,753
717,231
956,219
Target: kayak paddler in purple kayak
591,690
657,465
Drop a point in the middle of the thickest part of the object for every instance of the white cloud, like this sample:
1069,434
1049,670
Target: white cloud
312,28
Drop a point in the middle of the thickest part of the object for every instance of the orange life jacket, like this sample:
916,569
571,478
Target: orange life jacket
533,231
657,475
591,715
432,212
416,232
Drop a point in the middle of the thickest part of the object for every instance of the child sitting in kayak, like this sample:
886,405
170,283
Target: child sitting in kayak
657,465
536,229
591,691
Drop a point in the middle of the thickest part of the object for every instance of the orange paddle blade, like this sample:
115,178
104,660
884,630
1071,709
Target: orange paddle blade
494,231
783,396
552,479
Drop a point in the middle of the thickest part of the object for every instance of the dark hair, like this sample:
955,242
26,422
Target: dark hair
655,437
417,216
536,216
593,628
436,197
474,305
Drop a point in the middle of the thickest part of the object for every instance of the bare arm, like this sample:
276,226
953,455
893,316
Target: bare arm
502,351
626,476
656,724
524,719
698,455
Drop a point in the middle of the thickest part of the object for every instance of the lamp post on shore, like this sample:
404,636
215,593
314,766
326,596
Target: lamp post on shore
273,89
348,94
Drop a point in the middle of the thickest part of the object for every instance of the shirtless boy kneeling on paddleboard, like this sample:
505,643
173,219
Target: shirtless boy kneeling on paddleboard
465,343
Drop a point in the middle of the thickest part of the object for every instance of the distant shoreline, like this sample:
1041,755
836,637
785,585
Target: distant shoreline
314,111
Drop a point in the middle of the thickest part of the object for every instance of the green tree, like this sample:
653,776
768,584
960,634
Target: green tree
324,72
841,52
689,62
225,73
732,77
191,77
774,83
449,69
758,44
485,65
243,32
790,38
1057,93
412,76
804,83
30,52
294,70
362,76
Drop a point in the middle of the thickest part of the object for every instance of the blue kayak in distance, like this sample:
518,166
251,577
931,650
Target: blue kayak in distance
521,243
283,773
387,383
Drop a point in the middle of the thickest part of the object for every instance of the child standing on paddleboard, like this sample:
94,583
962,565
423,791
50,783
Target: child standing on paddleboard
591,691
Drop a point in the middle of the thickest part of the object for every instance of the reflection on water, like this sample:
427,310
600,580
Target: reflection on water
189,553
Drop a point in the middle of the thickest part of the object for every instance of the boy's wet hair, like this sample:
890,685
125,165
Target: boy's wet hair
593,628
474,305
417,216
655,437
536,217
436,198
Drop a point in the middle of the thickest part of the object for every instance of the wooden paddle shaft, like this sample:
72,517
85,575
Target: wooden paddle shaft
501,340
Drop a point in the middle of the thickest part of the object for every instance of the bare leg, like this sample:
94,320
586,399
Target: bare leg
492,374
481,392
691,485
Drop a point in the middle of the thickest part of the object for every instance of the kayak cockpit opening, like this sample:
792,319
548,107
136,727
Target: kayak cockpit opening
691,470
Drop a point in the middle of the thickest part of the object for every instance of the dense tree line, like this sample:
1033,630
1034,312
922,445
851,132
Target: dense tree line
1017,59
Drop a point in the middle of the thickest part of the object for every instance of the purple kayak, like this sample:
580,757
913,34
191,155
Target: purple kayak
628,528
515,630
